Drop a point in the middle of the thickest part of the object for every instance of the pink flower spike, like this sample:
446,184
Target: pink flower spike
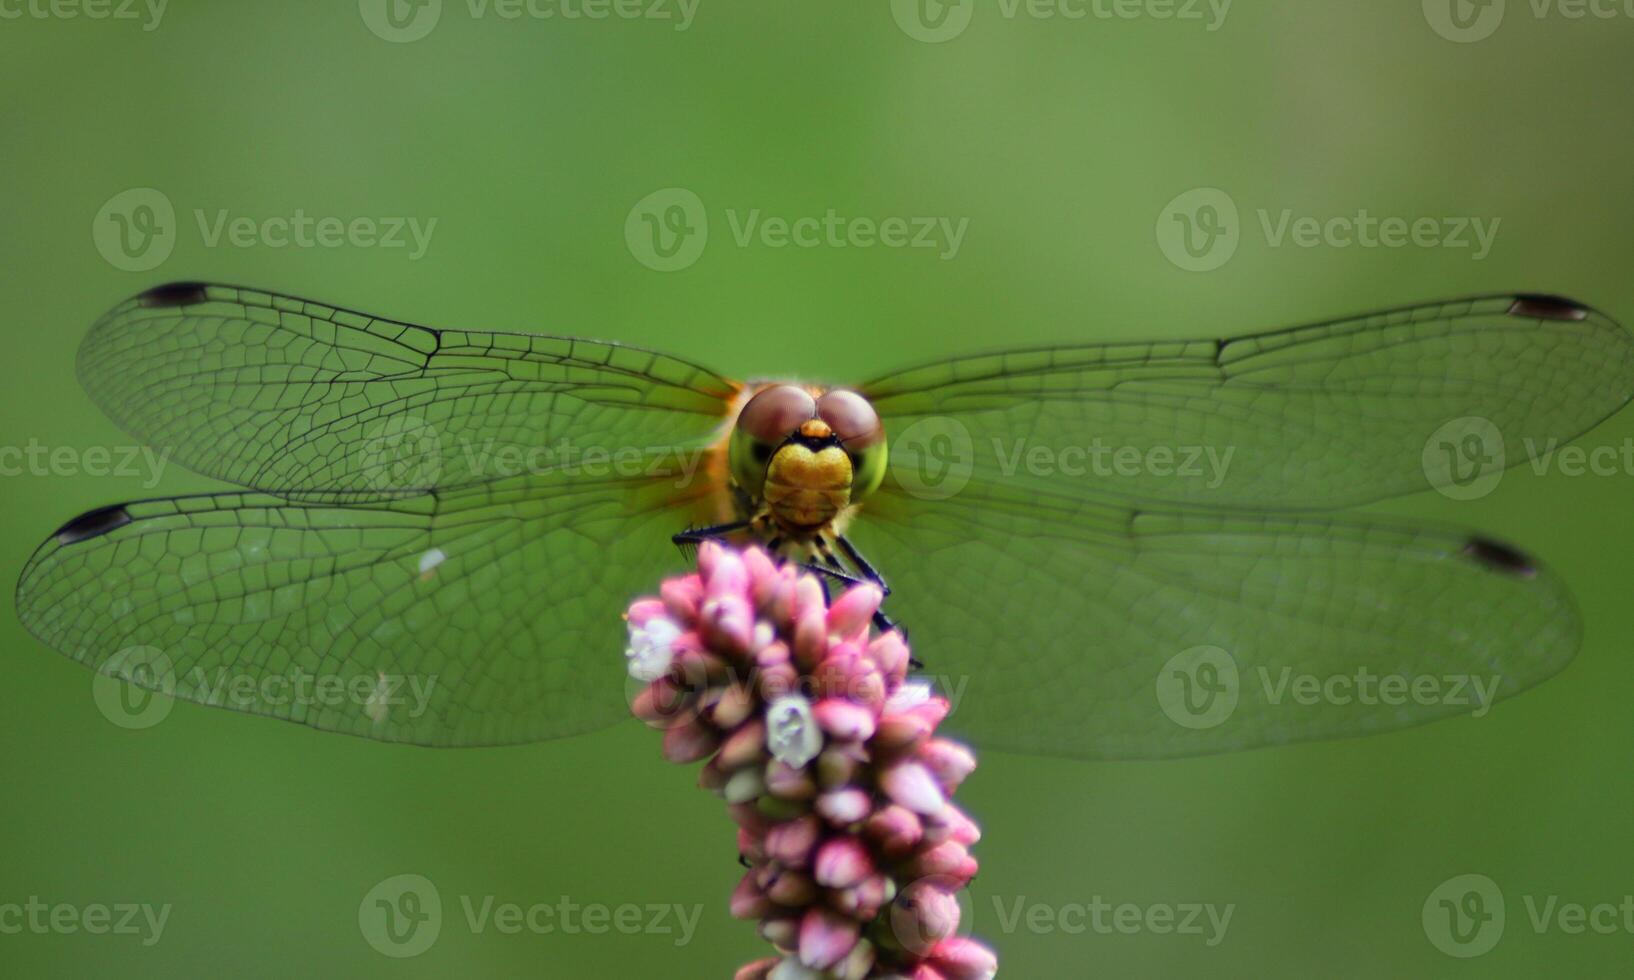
948,761
844,807
826,938
844,720
810,640
842,862
925,971
910,785
791,844
852,612
959,958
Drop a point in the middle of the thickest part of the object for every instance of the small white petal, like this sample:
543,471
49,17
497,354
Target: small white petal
793,969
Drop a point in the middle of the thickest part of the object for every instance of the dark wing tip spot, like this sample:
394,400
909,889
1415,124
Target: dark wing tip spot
174,294
92,524
1548,308
1500,557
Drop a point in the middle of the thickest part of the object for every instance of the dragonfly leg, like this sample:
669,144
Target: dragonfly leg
881,621
687,541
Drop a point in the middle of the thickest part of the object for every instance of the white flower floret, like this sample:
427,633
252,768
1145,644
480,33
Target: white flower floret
651,649
791,731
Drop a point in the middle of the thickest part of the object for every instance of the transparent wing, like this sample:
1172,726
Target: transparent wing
476,616
1312,417
1072,628
284,394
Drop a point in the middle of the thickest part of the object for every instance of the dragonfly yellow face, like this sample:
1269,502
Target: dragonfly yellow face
801,460
1069,531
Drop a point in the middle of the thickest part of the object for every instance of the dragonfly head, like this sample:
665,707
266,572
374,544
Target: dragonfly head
807,454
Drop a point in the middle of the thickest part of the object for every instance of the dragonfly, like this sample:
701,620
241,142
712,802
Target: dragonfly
477,508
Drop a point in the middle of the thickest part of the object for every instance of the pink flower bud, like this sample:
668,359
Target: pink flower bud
857,963
852,612
727,575
948,761
826,938
689,742
889,652
863,900
910,784
896,829
643,611
748,901
842,862
744,747
789,888
959,958
843,807
923,915
682,597
844,720
791,844
758,970
948,859
952,824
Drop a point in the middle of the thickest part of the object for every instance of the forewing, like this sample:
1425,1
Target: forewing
1072,628
480,616
285,394
1319,416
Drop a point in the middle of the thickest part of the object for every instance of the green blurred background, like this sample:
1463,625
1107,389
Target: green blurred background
1061,140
